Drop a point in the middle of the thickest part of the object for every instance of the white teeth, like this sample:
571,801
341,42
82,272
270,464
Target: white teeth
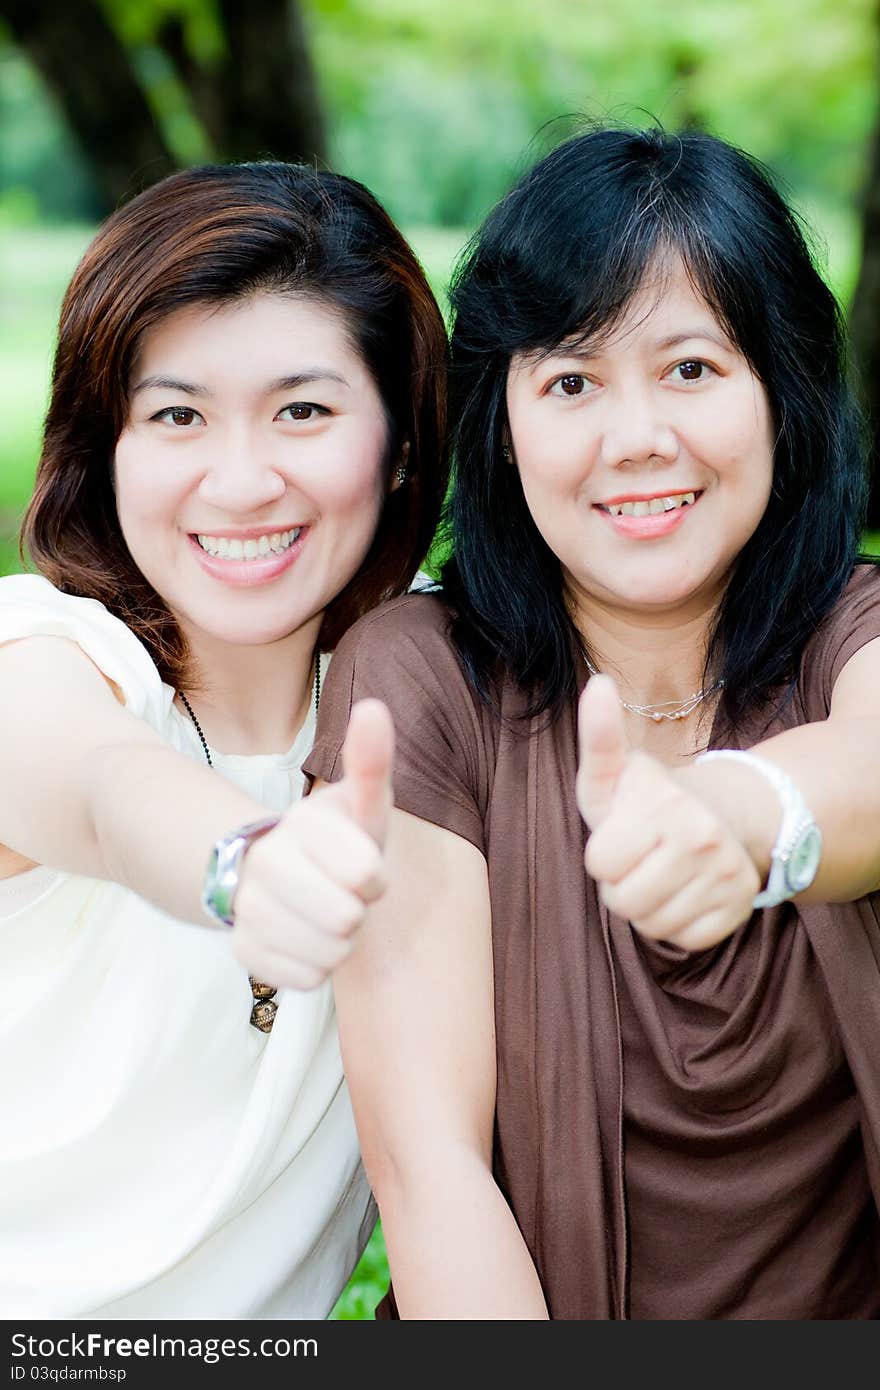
228,548
654,507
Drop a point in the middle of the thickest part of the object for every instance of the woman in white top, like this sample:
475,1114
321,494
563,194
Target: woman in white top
243,453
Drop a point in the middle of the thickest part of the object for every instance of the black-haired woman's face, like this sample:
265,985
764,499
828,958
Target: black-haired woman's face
647,462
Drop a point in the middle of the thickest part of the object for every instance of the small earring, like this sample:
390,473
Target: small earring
401,475
505,453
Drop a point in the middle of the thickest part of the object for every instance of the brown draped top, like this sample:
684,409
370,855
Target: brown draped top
686,1136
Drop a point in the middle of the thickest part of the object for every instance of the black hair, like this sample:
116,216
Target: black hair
560,258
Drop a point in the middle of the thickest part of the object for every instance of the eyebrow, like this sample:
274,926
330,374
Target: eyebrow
281,383
676,338
583,354
167,383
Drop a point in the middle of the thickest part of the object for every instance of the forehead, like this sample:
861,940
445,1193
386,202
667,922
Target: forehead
666,305
665,292
258,329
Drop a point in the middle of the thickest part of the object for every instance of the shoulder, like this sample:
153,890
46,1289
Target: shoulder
30,606
402,653
863,583
422,616
857,603
34,594
852,622
406,638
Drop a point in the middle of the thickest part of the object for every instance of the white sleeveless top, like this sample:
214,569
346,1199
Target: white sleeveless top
159,1156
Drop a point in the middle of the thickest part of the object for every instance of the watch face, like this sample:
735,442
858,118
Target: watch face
803,861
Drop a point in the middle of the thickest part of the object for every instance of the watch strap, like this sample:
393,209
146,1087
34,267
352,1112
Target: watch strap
224,869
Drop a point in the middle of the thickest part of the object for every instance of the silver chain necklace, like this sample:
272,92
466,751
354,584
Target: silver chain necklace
665,709
264,1007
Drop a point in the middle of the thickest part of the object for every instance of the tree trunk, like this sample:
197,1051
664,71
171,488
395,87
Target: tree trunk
271,106
87,68
864,319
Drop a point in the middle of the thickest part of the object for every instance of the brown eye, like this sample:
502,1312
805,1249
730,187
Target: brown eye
300,410
181,415
691,371
571,385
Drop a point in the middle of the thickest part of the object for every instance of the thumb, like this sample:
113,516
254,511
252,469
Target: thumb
603,748
367,758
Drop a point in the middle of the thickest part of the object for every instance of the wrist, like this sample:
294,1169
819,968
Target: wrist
797,847
223,873
744,800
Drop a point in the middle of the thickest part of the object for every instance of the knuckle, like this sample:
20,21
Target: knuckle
309,977
350,917
703,830
369,868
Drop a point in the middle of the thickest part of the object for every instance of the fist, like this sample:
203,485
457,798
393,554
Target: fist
305,886
662,857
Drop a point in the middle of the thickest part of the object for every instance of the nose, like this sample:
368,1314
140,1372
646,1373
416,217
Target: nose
241,477
637,430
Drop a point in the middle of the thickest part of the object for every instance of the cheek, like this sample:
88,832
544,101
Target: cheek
352,480
137,496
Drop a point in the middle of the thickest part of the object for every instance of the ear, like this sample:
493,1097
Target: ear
398,473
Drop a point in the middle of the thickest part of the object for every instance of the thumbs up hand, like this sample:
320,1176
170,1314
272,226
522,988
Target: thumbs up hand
305,886
364,794
662,856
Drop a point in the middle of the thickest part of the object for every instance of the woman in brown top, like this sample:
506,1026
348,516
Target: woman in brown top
647,1090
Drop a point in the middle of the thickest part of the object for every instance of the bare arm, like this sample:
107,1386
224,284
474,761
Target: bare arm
416,1014
836,765
90,789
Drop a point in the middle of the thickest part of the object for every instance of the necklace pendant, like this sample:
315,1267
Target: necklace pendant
260,990
264,1010
263,1015
656,716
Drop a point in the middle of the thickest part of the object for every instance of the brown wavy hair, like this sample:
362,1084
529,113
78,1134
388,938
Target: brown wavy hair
209,235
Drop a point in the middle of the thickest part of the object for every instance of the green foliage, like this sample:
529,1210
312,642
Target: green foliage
436,106
41,167
367,1284
35,265
471,84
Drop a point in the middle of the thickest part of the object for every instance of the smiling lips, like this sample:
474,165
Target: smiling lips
644,518
245,559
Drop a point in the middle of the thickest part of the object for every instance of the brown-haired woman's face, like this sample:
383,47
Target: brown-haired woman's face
250,472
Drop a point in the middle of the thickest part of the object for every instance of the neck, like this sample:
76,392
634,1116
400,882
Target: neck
655,659
253,699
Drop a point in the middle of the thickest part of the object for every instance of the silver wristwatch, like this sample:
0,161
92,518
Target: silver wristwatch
224,868
794,859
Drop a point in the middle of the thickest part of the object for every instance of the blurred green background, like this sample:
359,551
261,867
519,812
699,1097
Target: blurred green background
436,106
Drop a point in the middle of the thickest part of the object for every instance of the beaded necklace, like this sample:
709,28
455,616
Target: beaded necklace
264,1007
